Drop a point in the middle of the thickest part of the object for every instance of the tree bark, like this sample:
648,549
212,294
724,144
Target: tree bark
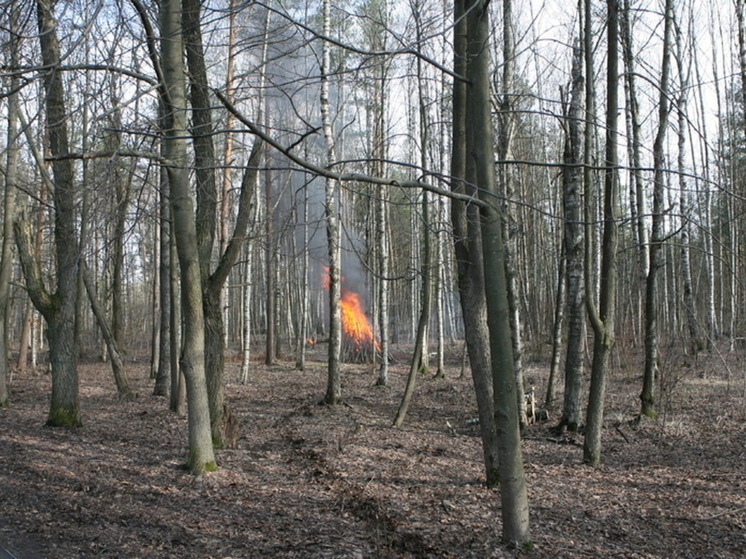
207,218
163,375
246,308
507,184
25,337
572,201
469,266
513,493
557,330
690,308
9,208
58,308
650,374
201,457
637,195
124,392
602,319
331,213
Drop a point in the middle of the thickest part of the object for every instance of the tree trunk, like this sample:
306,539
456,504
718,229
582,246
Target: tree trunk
557,329
25,337
206,218
124,392
59,308
383,283
201,457
416,362
300,362
246,306
513,493
650,374
690,308
507,186
421,356
155,308
270,254
163,376
602,319
9,208
637,196
331,214
572,201
468,247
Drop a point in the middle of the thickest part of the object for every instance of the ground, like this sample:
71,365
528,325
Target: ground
311,481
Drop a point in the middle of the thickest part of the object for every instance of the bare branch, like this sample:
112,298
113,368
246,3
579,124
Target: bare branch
405,50
342,177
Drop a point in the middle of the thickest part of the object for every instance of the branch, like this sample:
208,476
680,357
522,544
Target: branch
111,155
150,37
342,177
31,267
111,68
356,50
248,186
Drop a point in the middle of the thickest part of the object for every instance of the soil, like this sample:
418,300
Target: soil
311,481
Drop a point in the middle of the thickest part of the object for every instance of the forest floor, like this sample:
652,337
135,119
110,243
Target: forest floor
310,481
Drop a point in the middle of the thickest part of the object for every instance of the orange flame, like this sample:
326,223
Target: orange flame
354,322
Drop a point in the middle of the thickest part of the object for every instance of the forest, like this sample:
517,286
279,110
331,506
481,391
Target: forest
378,278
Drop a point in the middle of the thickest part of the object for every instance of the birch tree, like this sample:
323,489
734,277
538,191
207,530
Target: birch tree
331,214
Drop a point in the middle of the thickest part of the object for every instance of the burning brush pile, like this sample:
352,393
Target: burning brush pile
359,342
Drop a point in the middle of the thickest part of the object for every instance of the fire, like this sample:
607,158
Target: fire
354,322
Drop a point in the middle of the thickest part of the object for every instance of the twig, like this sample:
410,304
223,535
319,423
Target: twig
621,433
723,513
326,172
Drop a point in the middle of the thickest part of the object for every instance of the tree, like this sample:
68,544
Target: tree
206,221
331,213
572,201
650,374
124,392
506,177
469,266
637,194
479,134
419,361
602,318
9,202
58,308
201,456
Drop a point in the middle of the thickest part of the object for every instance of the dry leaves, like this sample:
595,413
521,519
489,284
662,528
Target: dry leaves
309,481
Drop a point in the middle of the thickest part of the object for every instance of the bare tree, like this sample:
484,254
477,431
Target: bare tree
331,210
9,202
602,318
201,456
468,247
58,308
657,234
479,134
572,200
